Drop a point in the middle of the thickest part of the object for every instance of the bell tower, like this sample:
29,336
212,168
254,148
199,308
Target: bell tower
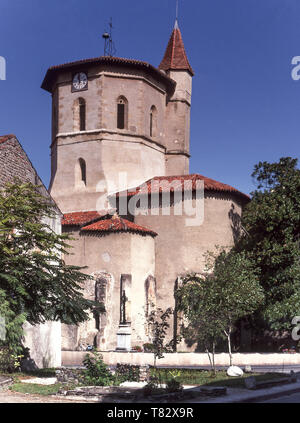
107,128
117,123
177,115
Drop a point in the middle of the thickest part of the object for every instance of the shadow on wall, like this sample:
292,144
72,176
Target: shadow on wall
235,220
27,363
43,345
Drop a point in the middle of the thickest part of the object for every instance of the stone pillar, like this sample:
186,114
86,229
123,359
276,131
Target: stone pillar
124,338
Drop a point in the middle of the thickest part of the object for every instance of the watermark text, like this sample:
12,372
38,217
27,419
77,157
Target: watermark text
2,69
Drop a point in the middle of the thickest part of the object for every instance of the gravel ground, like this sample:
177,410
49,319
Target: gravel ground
16,397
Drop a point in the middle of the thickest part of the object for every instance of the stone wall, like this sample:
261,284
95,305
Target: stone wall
44,343
177,125
187,359
113,161
106,149
107,258
75,375
180,248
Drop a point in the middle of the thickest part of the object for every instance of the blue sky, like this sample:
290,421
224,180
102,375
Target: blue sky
245,105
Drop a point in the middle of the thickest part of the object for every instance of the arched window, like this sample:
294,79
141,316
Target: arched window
82,113
153,121
80,173
82,165
122,113
79,115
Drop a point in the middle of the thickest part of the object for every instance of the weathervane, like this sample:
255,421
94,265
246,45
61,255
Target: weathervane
109,46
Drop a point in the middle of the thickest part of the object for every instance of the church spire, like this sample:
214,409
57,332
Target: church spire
175,57
176,20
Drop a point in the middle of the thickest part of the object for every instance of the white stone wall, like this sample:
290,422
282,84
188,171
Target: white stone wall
187,359
44,341
114,255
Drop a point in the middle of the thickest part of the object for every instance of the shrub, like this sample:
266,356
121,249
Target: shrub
9,362
127,373
97,372
153,387
148,348
173,385
137,348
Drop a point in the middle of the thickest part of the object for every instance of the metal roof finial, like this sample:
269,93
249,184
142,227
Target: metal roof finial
176,20
109,46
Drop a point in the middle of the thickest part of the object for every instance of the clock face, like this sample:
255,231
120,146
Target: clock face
80,81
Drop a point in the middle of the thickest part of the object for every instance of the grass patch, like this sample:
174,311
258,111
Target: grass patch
187,377
206,377
35,389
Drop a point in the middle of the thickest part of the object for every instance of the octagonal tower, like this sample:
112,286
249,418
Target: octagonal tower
116,123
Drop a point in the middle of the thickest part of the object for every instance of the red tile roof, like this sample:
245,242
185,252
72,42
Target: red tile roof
15,164
175,56
4,138
83,218
156,185
49,77
117,224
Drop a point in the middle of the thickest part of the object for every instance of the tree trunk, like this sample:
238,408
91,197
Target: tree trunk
229,345
209,357
213,357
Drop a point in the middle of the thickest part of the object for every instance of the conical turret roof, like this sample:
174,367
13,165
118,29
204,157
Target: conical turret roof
175,57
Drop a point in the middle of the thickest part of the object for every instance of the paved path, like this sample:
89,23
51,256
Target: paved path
286,393
237,395
276,368
293,398
16,397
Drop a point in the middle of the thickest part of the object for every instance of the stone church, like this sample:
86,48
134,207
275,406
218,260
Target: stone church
120,155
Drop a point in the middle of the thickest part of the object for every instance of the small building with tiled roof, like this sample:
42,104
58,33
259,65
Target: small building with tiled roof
115,225
120,152
119,254
84,218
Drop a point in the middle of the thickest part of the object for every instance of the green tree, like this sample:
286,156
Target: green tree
201,323
158,325
214,302
272,224
35,283
11,331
